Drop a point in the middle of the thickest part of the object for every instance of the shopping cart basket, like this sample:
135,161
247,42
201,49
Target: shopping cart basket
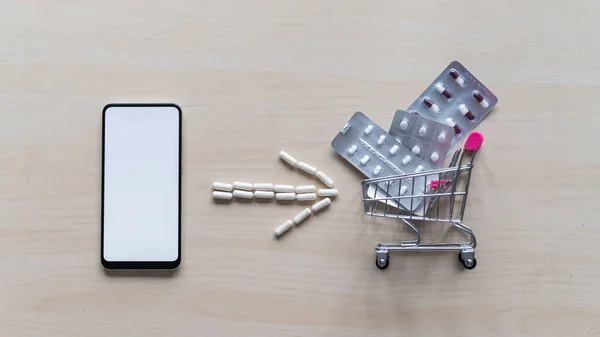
442,196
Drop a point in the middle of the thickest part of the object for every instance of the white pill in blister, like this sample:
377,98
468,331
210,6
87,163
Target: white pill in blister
441,137
284,227
327,192
369,130
434,157
423,130
365,160
306,196
403,190
222,186
404,124
243,194
419,168
306,189
416,149
264,194
325,179
381,140
240,185
352,150
320,205
394,150
406,160
284,188
263,187
307,168
222,195
302,215
377,170
287,158
285,196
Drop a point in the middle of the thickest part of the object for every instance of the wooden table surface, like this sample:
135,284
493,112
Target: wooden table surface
256,77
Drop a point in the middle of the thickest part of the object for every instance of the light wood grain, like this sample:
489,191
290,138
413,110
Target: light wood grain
255,77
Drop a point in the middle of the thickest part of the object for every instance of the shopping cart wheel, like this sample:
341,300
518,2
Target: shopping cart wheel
382,260
470,262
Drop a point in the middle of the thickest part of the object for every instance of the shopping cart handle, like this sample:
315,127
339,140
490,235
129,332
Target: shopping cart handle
474,141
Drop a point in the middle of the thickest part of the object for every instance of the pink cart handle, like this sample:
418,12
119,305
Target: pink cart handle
474,141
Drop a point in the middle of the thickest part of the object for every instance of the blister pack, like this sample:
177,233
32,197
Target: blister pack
376,153
456,98
427,139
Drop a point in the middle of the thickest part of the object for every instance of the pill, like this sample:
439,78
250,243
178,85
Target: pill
307,168
406,160
325,179
222,195
441,137
419,168
457,78
403,190
479,98
285,196
432,106
451,123
381,140
416,149
352,150
404,124
320,205
287,158
423,130
284,227
264,194
442,90
243,194
306,189
240,185
434,157
369,130
327,192
306,196
263,187
284,188
394,150
302,215
222,186
466,112
377,170
364,160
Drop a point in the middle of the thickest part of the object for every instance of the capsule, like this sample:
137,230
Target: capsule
264,194
327,192
240,185
263,187
320,205
287,158
432,106
419,168
403,190
479,98
325,179
377,170
222,187
457,78
394,150
307,168
369,130
284,227
364,160
243,194
222,195
306,189
302,215
451,123
406,160
352,150
381,140
285,196
439,87
466,112
306,196
284,188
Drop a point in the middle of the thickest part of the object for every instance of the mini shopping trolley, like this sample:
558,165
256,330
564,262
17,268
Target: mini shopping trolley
438,195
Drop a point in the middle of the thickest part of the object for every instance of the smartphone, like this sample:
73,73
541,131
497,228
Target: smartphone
141,186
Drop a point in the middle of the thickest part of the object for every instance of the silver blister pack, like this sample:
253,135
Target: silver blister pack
426,138
456,98
376,153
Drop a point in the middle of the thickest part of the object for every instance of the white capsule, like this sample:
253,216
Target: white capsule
441,137
423,130
263,187
307,168
463,109
369,130
419,168
222,186
377,170
394,150
320,205
302,215
285,196
416,149
439,87
284,227
240,185
484,103
243,194
306,196
287,158
381,140
327,192
222,195
406,160
306,189
365,160
403,190
434,157
264,194
325,178
284,188
404,124
352,150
